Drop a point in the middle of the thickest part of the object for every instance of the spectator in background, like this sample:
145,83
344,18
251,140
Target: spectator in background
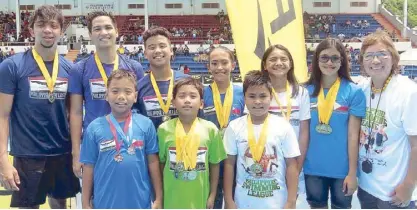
186,51
134,53
141,56
121,39
348,23
81,39
200,49
65,39
180,50
341,37
186,70
140,39
181,68
84,50
174,52
121,49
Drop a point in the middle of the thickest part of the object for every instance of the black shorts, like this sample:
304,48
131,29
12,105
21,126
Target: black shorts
44,176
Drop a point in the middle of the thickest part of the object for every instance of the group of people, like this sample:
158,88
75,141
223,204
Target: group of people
162,140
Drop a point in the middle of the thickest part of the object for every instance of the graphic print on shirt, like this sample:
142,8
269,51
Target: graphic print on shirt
38,89
338,108
294,110
201,159
260,180
107,145
98,89
153,109
372,138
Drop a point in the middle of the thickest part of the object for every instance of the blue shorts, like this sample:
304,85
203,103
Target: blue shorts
318,188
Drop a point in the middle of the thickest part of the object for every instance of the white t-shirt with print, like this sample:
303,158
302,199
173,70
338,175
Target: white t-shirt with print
266,189
300,110
384,159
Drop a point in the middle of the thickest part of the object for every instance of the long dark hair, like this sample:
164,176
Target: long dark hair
290,75
343,72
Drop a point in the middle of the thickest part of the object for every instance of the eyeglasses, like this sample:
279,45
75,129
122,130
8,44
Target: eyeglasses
380,55
326,58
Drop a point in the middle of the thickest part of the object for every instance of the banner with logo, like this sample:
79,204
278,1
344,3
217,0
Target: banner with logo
109,7
258,24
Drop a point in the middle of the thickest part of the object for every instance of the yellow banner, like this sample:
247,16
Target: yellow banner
258,24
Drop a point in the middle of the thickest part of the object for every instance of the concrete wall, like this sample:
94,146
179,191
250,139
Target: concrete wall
341,6
120,7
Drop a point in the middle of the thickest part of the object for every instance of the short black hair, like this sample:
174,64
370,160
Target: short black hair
155,31
256,78
122,73
96,14
188,81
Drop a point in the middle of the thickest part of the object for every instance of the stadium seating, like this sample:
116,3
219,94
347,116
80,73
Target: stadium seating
349,32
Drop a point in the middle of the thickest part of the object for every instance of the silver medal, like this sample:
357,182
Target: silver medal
324,129
256,168
131,150
191,175
51,98
118,158
166,118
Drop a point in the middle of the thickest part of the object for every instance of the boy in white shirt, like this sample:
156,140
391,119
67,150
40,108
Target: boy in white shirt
262,148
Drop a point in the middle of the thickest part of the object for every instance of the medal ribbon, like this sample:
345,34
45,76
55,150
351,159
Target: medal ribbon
101,68
164,106
126,134
187,144
289,107
325,105
222,111
257,148
50,81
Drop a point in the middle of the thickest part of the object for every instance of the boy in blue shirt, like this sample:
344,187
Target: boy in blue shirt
120,153
155,89
87,81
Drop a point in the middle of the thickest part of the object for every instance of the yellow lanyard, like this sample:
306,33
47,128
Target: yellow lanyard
186,145
288,93
101,69
222,111
50,81
164,106
325,106
257,148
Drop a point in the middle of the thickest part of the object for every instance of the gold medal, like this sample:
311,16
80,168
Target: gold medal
187,144
288,93
101,69
50,81
164,106
325,106
222,110
257,148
